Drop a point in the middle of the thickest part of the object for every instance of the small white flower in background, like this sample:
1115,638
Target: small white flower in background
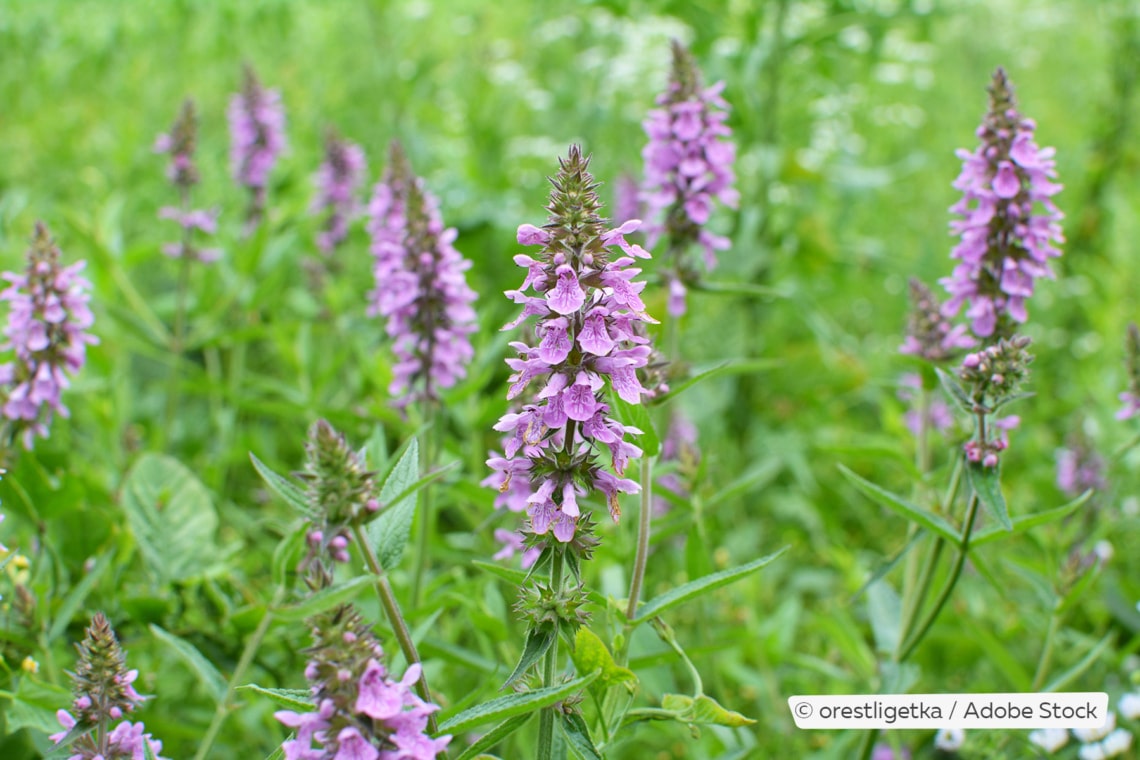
1092,752
1103,550
1049,739
1116,743
1129,706
1087,735
950,739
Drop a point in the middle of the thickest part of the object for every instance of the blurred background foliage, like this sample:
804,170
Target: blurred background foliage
846,115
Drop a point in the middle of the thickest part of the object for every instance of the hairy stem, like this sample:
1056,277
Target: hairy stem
550,671
643,524
395,618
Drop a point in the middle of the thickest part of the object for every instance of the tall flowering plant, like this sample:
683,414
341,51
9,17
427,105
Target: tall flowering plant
257,139
95,728
688,168
338,180
1009,225
180,144
586,300
421,285
48,332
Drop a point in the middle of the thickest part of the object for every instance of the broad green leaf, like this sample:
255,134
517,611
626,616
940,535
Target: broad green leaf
934,523
75,598
389,532
214,682
293,494
538,641
986,483
323,599
577,736
511,705
172,517
636,415
699,587
34,706
298,700
1026,522
494,736
509,574
590,654
956,392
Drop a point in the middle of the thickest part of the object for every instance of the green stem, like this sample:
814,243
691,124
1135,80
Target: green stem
963,550
1047,652
392,610
643,523
247,655
178,338
423,540
550,671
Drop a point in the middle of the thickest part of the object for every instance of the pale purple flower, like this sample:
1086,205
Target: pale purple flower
688,168
180,144
587,303
338,181
361,712
929,334
48,323
1009,224
937,416
1080,467
421,286
257,139
886,752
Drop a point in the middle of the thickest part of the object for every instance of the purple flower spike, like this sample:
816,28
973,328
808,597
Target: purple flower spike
1009,225
421,289
688,167
338,181
48,320
257,139
180,144
361,712
588,306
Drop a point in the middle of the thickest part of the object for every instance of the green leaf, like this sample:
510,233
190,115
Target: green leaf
956,392
292,493
693,589
578,737
513,704
75,598
34,706
934,523
724,368
885,611
298,700
883,570
538,641
1086,662
636,415
986,483
323,599
172,517
509,574
591,654
707,710
214,682
279,753
494,736
1026,522
389,532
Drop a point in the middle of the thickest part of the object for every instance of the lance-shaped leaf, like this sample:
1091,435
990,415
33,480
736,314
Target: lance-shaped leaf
494,736
701,586
577,736
986,484
298,700
293,494
502,708
934,523
1026,522
207,674
955,390
323,599
538,640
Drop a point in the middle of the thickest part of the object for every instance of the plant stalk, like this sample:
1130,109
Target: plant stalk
395,618
550,671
